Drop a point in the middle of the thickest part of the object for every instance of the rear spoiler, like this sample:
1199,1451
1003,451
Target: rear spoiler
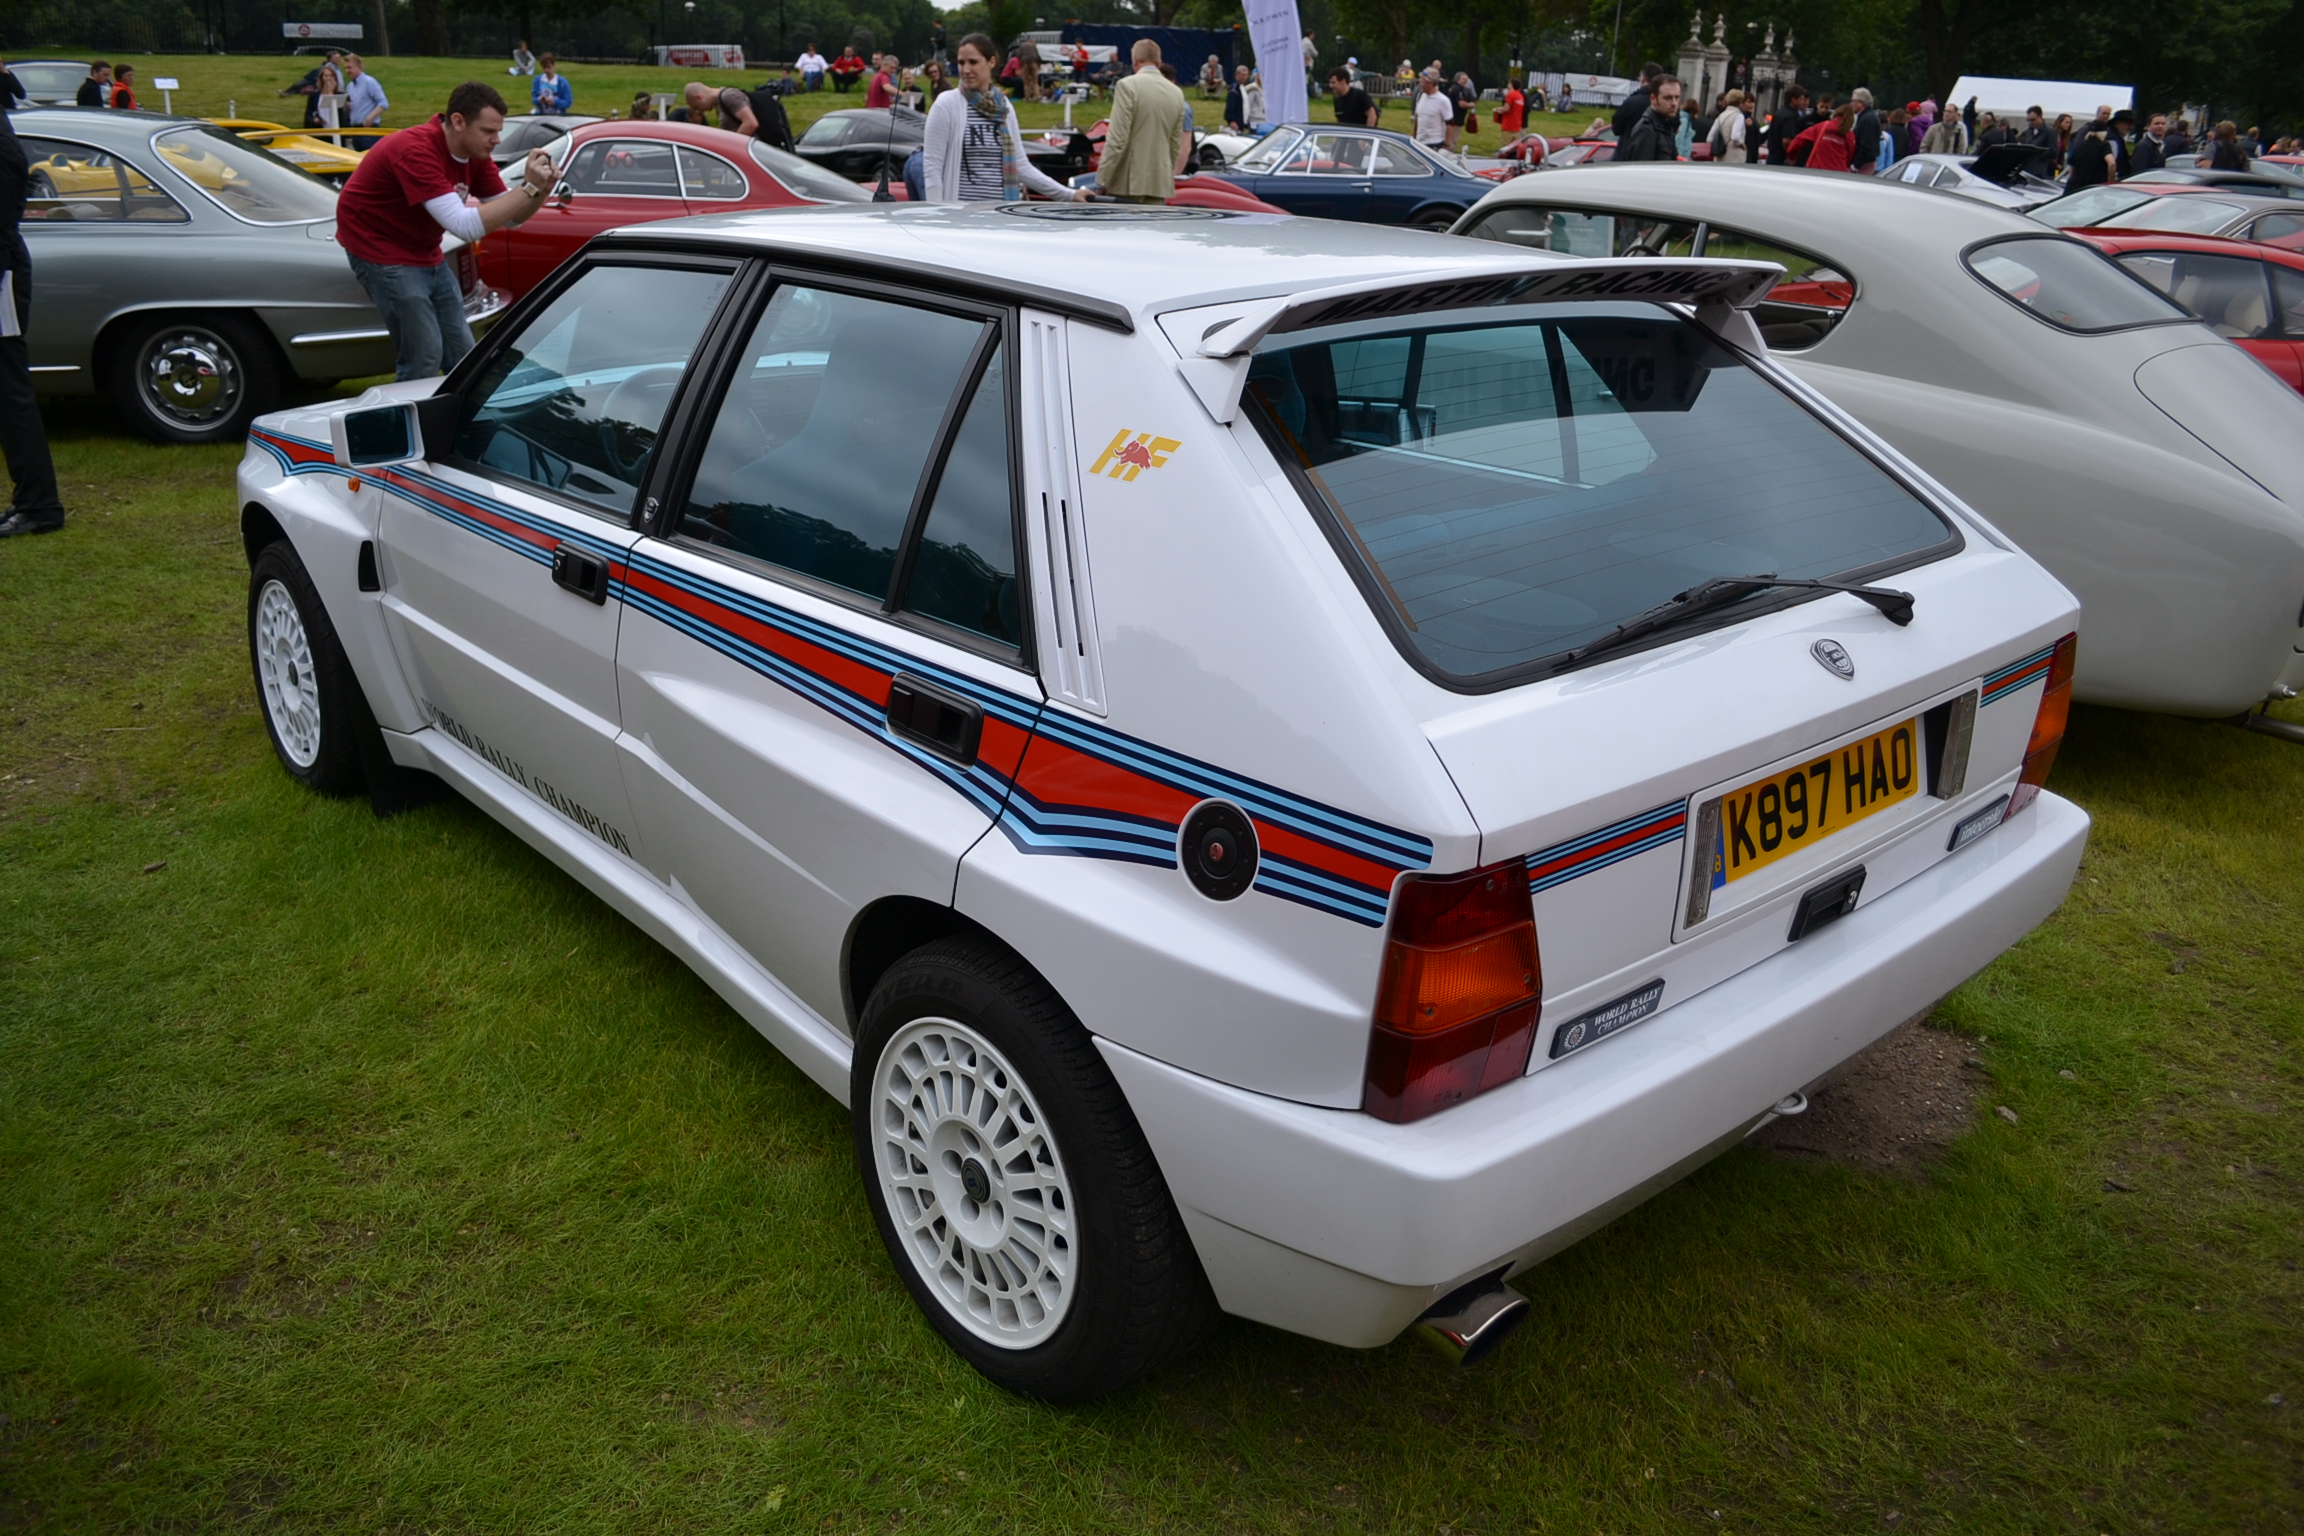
1214,343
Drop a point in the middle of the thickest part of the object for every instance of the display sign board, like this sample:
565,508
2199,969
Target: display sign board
702,55
304,31
1279,43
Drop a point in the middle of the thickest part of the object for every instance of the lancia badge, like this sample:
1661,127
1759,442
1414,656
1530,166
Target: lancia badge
1833,657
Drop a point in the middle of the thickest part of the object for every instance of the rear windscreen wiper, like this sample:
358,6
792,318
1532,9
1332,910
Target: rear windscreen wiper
1721,591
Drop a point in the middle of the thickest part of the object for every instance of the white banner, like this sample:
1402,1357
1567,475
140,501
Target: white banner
304,31
1278,39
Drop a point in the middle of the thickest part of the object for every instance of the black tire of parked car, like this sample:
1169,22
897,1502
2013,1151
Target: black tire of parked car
192,378
1440,219
335,767
1141,1297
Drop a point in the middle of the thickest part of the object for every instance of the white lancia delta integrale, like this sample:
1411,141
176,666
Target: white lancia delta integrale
1278,766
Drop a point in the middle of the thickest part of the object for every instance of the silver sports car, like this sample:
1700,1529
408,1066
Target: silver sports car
188,274
2154,467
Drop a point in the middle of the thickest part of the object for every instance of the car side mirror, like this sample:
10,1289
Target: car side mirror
384,434
564,193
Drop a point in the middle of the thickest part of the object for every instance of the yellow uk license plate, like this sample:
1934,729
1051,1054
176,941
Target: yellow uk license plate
1776,817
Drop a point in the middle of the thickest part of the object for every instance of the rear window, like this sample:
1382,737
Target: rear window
2068,285
1511,488
2096,205
805,178
2183,215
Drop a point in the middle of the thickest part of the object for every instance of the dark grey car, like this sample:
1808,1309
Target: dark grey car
187,273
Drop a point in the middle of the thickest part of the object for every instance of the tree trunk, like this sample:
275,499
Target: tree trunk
380,41
1474,23
431,27
1946,35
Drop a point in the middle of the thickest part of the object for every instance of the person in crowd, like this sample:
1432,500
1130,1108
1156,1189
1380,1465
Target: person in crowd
369,103
881,92
1865,158
971,151
2036,133
1947,136
1212,78
755,114
1352,105
1146,134
1656,135
2061,132
550,91
523,62
847,69
1080,64
1829,144
1895,138
2094,160
1028,67
2226,152
1252,102
1536,98
124,88
812,68
1567,97
2150,151
1785,124
1185,148
36,506
1433,110
1311,66
1727,135
96,90
1633,105
1923,119
1236,101
2179,137
2102,122
1464,100
1991,132
643,105
931,81
411,187
1012,77
1684,136
1514,118
326,82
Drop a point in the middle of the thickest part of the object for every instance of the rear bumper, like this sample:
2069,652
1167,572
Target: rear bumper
1333,1224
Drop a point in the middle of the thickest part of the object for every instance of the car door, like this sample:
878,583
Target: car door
2231,294
503,559
607,182
823,670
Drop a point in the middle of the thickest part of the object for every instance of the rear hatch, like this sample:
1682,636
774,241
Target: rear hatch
1538,503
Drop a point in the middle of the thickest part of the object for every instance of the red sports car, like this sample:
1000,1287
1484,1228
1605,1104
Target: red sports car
2247,291
613,174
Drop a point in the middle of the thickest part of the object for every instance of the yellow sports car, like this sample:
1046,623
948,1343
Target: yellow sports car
300,147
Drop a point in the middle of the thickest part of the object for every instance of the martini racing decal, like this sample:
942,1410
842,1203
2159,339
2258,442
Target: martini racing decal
2013,678
598,826
1129,457
1563,862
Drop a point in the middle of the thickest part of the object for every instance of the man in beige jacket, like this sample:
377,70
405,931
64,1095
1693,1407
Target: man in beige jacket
1146,133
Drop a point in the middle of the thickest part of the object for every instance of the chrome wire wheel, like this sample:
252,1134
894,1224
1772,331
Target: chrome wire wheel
189,376
975,1183
284,670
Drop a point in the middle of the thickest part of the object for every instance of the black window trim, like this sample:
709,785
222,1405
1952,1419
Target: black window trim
707,386
1372,587
2057,236
480,358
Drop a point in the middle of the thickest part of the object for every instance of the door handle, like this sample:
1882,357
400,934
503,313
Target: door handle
936,718
583,574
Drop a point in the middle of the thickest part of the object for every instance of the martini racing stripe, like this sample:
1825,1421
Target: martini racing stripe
1563,862
2013,677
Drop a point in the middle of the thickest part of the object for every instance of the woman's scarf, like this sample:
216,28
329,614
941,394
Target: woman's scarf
991,104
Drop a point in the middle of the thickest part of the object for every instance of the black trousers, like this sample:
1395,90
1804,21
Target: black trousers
22,437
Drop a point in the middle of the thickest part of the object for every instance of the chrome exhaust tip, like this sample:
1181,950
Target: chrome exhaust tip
1466,1328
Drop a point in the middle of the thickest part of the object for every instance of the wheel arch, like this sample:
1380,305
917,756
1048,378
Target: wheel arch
259,528
106,344
887,930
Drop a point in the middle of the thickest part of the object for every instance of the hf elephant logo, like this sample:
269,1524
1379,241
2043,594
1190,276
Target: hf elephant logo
1131,453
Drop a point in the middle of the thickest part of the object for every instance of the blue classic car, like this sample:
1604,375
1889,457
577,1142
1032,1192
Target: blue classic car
1364,174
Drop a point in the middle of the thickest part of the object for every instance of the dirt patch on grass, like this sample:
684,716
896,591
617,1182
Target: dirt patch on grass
1893,1109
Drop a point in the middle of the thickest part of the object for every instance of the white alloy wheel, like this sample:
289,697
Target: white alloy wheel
975,1183
284,668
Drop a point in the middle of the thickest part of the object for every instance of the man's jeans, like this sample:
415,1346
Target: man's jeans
423,308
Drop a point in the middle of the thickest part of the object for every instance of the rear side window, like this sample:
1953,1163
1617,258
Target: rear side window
2063,283
73,184
805,178
1513,488
2228,292
710,178
624,168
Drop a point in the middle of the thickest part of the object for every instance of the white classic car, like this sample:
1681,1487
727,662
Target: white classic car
1274,765
2157,469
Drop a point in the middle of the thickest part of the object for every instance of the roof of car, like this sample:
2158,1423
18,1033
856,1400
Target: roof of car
2110,238
650,128
1114,262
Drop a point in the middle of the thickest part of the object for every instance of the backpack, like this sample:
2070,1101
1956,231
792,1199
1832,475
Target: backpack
768,112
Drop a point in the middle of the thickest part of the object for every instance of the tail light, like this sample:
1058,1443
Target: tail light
2047,725
1457,1002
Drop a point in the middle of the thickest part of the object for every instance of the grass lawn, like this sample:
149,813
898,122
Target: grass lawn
249,84
364,1175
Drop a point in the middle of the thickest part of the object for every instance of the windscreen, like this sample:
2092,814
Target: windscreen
1519,485
1265,154
2182,215
243,180
2068,285
2095,205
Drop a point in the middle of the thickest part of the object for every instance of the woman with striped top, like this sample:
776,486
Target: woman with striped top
973,152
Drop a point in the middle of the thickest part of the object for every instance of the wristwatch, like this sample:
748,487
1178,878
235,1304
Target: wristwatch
534,192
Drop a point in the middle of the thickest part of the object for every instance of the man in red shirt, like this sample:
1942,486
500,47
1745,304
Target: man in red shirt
407,190
882,91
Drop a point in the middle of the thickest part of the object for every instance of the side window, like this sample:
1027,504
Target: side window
710,178
965,571
624,168
2154,268
817,455
573,405
1393,160
2285,230
2226,291
73,184
2288,299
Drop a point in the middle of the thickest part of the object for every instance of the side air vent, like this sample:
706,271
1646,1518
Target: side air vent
1069,664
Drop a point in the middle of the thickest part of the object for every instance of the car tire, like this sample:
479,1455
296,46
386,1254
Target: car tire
1440,220
193,378
312,706
1060,1268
